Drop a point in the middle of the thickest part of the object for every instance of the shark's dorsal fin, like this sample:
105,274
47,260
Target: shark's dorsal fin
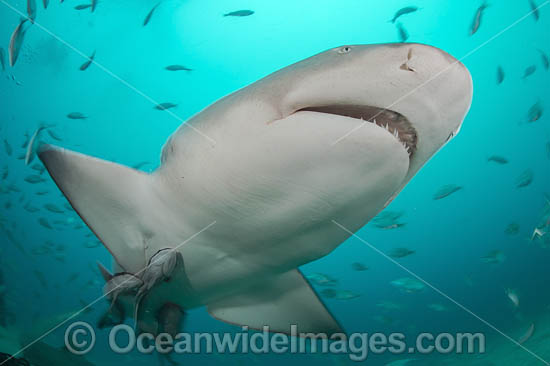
283,301
109,197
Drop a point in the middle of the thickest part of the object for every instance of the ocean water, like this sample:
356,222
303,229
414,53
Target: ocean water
48,272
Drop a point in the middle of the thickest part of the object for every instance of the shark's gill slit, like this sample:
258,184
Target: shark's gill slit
396,123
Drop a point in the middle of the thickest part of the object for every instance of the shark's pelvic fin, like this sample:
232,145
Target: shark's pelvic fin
287,299
109,197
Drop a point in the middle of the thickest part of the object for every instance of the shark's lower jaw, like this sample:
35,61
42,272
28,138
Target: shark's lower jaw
395,123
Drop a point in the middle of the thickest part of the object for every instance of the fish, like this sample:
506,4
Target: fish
345,295
437,307
401,253
500,75
7,147
164,106
513,296
530,70
39,168
494,257
29,155
478,17
34,179
44,222
402,32
525,178
45,3
329,293
116,201
76,115
54,135
41,193
498,159
16,41
41,278
53,208
94,4
83,6
528,334
40,250
356,266
534,10
512,229
3,59
140,165
5,172
387,219
535,112
408,284
92,244
545,59
26,142
87,64
150,14
31,10
73,277
29,208
403,11
321,279
177,68
239,13
446,191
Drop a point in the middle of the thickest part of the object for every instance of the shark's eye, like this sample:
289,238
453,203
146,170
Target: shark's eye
344,49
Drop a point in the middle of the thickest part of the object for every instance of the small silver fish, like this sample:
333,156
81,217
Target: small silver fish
54,135
34,179
402,32
476,23
535,10
87,64
529,71
31,10
165,106
83,6
404,11
239,13
500,75
3,59
446,191
498,159
177,68
150,14
76,115
545,60
525,178
7,147
16,41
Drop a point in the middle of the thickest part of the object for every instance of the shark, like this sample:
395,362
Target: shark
330,139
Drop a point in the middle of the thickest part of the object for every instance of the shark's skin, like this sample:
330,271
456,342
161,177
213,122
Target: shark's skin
273,181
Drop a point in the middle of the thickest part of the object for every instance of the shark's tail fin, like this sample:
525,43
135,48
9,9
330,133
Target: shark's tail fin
112,199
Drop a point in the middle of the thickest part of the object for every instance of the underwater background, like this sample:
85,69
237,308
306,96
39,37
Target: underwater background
477,245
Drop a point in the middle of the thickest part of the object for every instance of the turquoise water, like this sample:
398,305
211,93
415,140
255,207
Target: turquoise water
449,236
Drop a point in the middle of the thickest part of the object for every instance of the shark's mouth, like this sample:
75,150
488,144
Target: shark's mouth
395,123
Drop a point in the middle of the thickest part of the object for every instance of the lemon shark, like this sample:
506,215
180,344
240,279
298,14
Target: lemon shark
333,137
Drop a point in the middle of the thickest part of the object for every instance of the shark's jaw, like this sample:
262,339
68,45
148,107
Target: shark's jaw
395,123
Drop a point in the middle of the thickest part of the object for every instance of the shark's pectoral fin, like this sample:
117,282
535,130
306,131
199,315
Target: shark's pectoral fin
112,199
286,300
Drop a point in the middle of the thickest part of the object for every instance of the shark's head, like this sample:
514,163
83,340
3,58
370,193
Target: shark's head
419,92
